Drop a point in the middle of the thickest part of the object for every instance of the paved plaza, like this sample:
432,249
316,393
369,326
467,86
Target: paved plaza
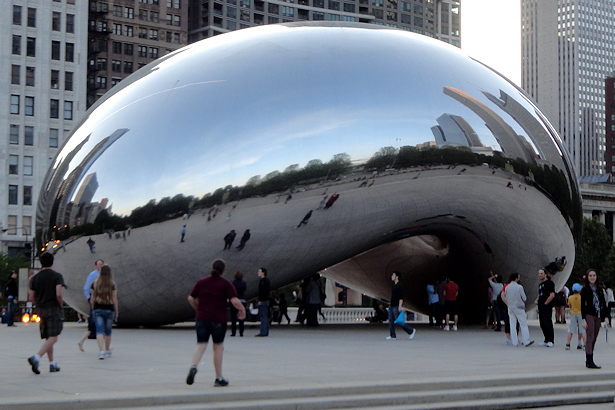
154,362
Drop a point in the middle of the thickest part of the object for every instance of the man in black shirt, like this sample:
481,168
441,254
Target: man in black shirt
46,289
397,300
546,294
11,295
264,289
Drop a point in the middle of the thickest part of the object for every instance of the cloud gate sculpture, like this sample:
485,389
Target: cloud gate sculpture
410,155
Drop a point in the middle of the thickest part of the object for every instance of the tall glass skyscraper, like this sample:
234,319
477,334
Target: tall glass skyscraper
568,49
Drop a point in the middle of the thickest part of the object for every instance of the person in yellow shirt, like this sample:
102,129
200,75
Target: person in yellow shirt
574,303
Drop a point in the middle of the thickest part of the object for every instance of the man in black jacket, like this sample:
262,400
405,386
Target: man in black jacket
264,289
11,295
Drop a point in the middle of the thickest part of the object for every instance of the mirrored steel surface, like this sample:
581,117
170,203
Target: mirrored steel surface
441,165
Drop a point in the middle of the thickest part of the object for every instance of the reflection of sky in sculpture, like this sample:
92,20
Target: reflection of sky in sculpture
244,119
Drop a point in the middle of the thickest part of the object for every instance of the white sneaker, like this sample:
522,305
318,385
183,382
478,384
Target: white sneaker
542,344
107,353
447,328
412,334
101,355
391,338
455,328
550,344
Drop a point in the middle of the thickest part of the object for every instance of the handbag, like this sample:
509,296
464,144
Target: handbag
401,319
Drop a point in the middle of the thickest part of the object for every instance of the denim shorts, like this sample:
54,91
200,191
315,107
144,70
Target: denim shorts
104,321
206,328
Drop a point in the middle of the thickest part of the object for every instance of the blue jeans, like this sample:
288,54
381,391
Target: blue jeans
10,311
263,315
104,321
393,313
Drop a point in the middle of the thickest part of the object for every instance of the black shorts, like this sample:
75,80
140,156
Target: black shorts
206,328
451,307
52,321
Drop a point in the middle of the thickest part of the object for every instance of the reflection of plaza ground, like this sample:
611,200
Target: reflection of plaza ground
149,364
481,222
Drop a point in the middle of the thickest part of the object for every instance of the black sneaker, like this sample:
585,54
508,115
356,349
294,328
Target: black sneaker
191,374
54,368
579,347
221,382
34,363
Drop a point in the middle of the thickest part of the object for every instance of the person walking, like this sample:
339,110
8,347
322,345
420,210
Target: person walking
313,299
11,296
451,291
209,299
495,281
432,300
515,298
245,238
104,309
397,300
546,294
228,239
264,290
46,290
90,333
240,287
183,233
593,311
576,320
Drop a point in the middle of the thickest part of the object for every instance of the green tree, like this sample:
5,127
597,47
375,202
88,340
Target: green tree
594,251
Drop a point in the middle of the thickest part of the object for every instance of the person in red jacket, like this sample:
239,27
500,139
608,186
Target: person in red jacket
451,290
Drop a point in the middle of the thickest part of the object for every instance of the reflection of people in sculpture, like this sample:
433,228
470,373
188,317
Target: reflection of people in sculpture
91,244
332,200
322,202
183,232
288,198
305,219
244,239
229,238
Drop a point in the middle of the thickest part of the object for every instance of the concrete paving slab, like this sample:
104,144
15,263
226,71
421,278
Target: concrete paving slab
155,362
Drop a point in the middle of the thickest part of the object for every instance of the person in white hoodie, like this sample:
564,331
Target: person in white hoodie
515,298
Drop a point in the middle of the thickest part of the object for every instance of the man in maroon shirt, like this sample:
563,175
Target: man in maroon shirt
209,299
451,290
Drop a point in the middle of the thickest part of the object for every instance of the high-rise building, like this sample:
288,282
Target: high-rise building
435,18
609,96
568,49
125,35
43,89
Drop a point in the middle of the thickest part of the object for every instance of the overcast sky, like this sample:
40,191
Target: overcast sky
491,33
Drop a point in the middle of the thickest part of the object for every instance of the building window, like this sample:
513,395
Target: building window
117,11
117,47
142,32
349,8
333,17
142,51
334,5
129,13
29,106
116,66
17,15
15,74
28,136
53,138
31,47
13,197
231,25
28,164
177,21
128,49
56,22
273,8
27,200
12,224
128,31
70,52
176,38
68,81
143,15
244,15
31,17
54,108
55,79
14,134
117,29
68,108
288,11
169,36
30,76
153,16
16,45
13,165
128,67
153,34
318,15
115,81
14,104
101,82
170,17
176,4
55,50
153,52
70,23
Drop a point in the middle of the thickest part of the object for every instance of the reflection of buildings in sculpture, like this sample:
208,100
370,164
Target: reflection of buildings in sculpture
453,130
426,144
506,136
70,184
82,210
